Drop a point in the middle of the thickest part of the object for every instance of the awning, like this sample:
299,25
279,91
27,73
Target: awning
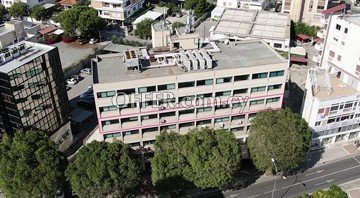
334,9
318,40
58,32
298,59
148,15
48,5
80,115
47,29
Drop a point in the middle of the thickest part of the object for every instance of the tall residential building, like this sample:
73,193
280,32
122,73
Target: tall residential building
138,94
341,54
33,94
331,107
294,8
117,10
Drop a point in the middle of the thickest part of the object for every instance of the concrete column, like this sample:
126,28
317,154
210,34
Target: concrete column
334,139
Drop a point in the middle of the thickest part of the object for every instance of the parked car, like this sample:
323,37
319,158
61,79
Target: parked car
83,41
86,71
71,81
87,103
93,41
76,77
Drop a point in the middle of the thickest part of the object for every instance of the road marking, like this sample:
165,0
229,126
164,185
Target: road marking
356,160
326,182
309,180
317,172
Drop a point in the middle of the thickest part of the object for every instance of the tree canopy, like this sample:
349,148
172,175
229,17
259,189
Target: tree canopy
199,6
333,192
279,134
81,18
143,29
303,28
203,157
39,13
30,165
3,11
101,169
177,24
18,9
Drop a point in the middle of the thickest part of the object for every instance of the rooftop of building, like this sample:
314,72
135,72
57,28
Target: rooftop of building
111,67
160,26
10,59
338,88
253,23
355,18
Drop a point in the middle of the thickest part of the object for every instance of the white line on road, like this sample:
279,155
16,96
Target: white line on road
317,172
309,180
326,182
356,160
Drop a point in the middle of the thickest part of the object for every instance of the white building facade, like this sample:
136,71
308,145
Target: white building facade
30,3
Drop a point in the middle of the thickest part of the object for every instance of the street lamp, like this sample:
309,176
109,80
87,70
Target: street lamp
276,173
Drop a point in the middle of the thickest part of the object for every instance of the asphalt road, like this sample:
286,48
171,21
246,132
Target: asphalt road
342,171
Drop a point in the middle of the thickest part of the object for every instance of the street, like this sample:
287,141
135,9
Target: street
339,172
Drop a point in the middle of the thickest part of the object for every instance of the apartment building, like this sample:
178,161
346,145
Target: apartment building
341,51
33,94
331,107
241,24
294,8
30,3
139,93
117,10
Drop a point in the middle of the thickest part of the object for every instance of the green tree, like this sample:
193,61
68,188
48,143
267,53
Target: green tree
177,24
200,8
89,23
101,169
39,13
190,4
68,19
303,28
18,10
204,157
143,29
3,11
279,134
31,165
333,192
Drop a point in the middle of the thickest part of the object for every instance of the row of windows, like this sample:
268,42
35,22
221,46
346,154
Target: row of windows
192,83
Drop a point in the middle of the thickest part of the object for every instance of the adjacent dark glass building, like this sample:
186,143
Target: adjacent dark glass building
33,93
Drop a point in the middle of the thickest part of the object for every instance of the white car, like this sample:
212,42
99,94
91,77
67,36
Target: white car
71,81
93,41
86,71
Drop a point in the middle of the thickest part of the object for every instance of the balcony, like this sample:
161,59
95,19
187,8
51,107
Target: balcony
127,125
324,21
319,46
321,34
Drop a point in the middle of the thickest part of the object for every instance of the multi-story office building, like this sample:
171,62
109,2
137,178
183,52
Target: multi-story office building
117,10
294,8
341,51
33,94
331,107
222,86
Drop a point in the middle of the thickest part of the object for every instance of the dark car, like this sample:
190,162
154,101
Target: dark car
87,103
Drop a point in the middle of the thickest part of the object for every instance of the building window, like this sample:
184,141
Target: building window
186,84
203,122
258,89
239,104
335,39
331,120
259,75
223,93
223,80
240,91
338,27
256,102
106,94
271,100
238,117
277,45
339,58
109,122
166,87
317,123
218,120
272,87
321,111
203,109
331,54
241,77
346,30
33,72
132,132
108,108
204,82
277,73
147,89
112,135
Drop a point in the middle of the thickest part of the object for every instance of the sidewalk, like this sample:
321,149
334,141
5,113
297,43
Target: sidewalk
352,188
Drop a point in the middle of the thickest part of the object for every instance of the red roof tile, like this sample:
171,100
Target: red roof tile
48,29
334,9
298,59
303,36
67,2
